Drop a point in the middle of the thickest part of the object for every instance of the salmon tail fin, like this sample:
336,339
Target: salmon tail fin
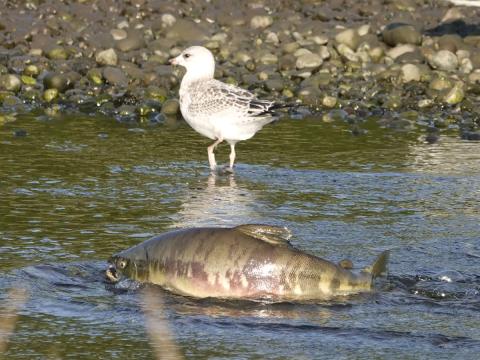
379,267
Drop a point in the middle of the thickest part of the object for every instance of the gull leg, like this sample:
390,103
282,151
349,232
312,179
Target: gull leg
232,156
211,155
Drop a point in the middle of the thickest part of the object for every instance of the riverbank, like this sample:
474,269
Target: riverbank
405,64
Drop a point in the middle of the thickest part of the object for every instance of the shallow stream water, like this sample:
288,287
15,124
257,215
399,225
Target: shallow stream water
77,189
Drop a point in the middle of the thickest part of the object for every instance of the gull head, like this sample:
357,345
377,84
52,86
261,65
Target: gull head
198,61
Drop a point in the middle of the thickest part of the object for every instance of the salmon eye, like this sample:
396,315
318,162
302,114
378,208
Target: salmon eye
122,264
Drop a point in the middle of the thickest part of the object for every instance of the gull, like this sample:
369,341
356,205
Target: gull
219,111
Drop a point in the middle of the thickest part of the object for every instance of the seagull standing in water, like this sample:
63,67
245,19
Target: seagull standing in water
219,111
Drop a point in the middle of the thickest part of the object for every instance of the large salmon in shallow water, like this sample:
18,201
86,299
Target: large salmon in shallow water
245,262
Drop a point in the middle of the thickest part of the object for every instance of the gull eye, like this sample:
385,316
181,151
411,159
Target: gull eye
122,264
186,56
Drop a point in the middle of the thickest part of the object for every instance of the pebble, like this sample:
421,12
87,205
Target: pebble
395,34
56,81
115,76
410,72
57,53
10,82
261,21
171,107
107,57
443,60
348,37
308,60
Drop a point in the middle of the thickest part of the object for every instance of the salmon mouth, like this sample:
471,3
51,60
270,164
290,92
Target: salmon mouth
112,275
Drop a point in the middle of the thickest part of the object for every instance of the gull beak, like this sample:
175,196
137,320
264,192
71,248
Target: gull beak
173,61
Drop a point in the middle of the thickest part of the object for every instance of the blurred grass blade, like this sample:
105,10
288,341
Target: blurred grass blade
157,326
8,315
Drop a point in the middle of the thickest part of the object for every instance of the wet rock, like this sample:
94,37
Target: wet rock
450,42
455,95
171,107
471,135
347,53
261,21
335,115
400,50
269,59
186,31
134,41
20,133
432,137
440,83
95,76
28,80
115,76
410,72
443,60
274,84
57,81
398,33
10,82
329,101
50,94
31,70
348,37
107,57
57,53
118,34
308,61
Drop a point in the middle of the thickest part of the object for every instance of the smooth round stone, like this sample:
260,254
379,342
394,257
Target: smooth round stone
308,61
290,48
329,101
28,80
440,83
396,33
335,115
347,53
261,21
57,53
31,70
168,20
118,34
95,76
50,94
115,76
274,85
411,72
455,95
400,50
269,59
171,107
424,103
10,82
444,60
56,81
156,93
134,41
450,42
107,57
348,37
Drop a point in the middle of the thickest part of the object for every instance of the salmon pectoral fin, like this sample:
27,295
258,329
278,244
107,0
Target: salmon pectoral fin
275,235
379,267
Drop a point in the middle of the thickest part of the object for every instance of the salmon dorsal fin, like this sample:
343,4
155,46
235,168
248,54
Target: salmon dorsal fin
274,235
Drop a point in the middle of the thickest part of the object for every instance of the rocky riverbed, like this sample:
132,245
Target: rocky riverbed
403,63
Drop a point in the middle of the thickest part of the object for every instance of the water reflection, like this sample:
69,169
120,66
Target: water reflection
218,201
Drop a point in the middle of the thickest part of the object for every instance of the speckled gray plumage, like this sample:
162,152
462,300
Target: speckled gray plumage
211,98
